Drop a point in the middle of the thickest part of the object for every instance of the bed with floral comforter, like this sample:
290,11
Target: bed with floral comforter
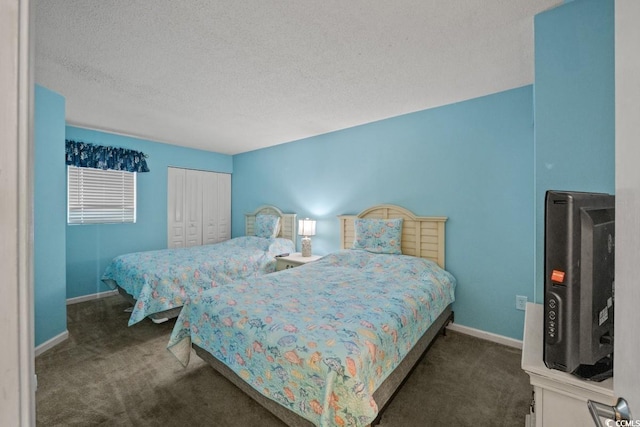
162,280
320,338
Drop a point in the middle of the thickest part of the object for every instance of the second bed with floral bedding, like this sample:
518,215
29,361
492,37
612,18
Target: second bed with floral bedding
158,282
161,281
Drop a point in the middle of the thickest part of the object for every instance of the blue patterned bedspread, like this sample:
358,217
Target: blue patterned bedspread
319,338
164,279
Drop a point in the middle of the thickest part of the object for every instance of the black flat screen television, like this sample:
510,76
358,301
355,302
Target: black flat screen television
579,252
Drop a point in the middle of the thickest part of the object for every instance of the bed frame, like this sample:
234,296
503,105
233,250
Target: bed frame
288,229
421,236
288,223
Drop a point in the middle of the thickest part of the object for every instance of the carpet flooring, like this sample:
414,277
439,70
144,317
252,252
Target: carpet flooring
108,374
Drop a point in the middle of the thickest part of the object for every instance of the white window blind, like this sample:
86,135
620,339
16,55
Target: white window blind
100,196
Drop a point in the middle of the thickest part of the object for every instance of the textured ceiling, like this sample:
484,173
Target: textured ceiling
234,76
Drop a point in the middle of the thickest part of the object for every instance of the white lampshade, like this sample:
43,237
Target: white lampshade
307,227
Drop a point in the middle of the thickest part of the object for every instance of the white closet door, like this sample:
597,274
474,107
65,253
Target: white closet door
209,208
224,206
199,207
216,208
176,218
193,206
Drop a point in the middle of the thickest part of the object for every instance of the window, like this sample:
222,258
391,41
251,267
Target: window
96,196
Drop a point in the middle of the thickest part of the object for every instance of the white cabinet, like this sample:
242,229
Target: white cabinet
198,207
560,399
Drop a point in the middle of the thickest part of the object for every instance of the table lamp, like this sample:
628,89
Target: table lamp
306,228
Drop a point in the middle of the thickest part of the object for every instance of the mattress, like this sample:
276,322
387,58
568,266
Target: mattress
162,280
321,338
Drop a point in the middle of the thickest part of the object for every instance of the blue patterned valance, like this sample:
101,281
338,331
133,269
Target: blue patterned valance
85,155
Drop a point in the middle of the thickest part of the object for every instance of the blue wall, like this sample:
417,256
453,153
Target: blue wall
91,247
49,204
574,105
471,161
479,162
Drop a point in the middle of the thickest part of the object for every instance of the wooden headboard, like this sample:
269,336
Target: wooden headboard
288,223
421,236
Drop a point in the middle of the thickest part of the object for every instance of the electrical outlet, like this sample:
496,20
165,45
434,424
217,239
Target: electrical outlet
521,302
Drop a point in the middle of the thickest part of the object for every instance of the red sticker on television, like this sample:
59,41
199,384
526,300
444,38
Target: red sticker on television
557,276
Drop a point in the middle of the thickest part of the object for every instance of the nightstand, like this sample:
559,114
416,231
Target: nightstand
294,260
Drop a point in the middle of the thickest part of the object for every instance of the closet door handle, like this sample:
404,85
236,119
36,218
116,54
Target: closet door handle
598,410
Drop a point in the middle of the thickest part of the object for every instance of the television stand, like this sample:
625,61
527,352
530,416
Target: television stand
560,398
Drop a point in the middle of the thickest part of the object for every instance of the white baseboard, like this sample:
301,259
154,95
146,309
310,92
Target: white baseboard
92,297
47,345
500,339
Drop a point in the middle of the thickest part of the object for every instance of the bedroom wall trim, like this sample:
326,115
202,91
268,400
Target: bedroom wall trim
90,297
49,344
500,339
